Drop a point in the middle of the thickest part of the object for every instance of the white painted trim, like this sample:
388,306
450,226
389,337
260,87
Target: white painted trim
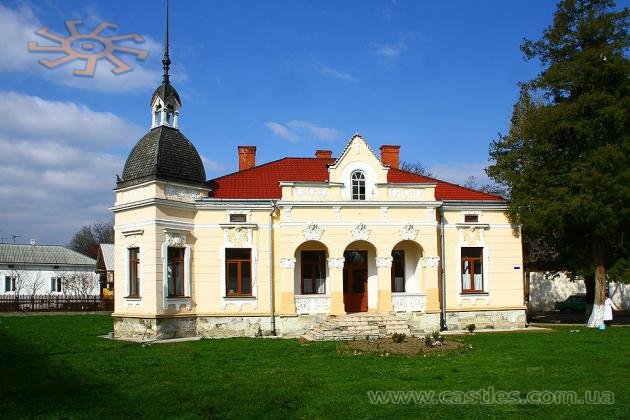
239,301
481,243
177,301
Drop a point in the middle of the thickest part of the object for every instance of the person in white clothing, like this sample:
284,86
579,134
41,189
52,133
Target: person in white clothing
608,310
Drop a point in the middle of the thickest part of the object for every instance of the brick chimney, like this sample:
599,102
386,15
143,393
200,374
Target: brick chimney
323,154
246,157
390,155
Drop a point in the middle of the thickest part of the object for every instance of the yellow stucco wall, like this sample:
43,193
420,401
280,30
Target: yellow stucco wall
319,217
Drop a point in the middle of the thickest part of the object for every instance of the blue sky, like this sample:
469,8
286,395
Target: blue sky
437,78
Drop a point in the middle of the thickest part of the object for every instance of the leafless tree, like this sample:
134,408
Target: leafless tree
22,278
37,281
88,238
77,283
416,168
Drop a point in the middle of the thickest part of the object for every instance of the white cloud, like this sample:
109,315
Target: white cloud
320,133
336,74
282,131
458,172
57,176
32,116
17,28
212,165
294,130
388,51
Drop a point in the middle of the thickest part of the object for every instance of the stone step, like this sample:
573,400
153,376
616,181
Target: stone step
357,326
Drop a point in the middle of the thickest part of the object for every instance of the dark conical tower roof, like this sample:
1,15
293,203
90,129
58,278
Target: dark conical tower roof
164,153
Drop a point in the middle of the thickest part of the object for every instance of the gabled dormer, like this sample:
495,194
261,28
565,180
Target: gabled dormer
359,170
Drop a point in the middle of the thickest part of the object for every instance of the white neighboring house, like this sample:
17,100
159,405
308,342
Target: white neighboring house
46,269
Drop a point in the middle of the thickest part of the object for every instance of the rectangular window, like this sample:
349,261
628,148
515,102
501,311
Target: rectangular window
238,271
175,271
472,270
9,284
55,284
398,271
238,218
471,218
313,272
134,276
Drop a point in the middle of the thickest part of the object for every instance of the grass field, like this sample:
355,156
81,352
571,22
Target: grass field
56,366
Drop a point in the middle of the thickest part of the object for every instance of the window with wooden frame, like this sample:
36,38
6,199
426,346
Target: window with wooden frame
313,272
398,271
9,284
472,270
238,271
55,284
134,275
471,218
175,271
358,185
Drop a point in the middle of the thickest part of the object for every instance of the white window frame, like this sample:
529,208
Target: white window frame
12,281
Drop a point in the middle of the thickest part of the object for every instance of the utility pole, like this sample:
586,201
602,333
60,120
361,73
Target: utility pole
14,237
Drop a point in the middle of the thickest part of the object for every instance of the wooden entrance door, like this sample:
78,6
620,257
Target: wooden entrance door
355,281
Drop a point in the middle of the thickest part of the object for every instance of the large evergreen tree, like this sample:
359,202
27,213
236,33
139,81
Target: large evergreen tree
565,157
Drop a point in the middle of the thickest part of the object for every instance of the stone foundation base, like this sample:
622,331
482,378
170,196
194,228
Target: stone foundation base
213,327
421,323
294,326
486,319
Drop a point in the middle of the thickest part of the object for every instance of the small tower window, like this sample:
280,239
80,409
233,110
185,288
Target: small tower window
358,185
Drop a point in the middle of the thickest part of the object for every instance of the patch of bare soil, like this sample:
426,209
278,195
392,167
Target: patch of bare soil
411,346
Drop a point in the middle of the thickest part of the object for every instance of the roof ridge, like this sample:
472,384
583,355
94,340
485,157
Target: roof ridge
450,183
262,165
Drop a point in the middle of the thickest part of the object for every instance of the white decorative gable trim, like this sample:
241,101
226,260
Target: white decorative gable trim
472,235
133,238
408,232
238,235
175,237
287,262
385,262
361,232
182,193
313,232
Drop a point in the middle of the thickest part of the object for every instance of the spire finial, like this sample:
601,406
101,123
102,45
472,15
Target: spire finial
166,61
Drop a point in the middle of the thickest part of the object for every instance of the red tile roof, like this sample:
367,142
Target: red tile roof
263,181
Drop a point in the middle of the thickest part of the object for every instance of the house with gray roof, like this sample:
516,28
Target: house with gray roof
105,268
46,269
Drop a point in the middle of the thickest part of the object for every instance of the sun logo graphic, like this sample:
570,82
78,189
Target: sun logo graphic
90,47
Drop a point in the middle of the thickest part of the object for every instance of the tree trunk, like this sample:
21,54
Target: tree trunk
597,315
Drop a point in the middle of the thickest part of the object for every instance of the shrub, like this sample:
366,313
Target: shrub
471,328
399,337
428,341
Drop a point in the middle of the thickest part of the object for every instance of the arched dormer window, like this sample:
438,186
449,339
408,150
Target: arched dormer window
358,185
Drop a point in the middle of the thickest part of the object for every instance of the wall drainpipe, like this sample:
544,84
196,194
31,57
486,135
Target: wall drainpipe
272,306
443,325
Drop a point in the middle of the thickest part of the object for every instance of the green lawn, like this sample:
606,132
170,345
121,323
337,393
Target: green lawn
56,366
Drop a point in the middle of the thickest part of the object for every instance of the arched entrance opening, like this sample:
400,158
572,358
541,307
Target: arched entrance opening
407,268
359,277
311,269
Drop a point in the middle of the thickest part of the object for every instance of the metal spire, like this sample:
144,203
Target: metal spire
166,61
